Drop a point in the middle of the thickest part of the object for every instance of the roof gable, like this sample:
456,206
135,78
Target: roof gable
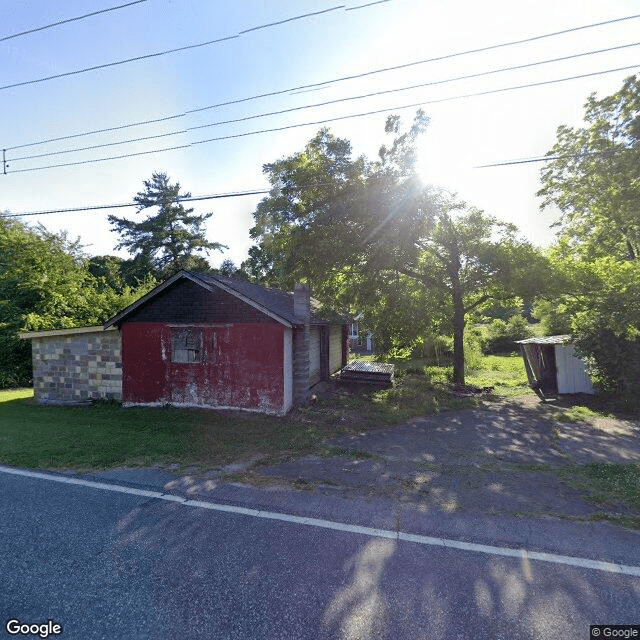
274,303
199,281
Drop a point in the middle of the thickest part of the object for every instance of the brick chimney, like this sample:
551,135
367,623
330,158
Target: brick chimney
302,312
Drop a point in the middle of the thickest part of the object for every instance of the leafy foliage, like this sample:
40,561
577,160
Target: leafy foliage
373,236
594,178
45,283
607,330
502,335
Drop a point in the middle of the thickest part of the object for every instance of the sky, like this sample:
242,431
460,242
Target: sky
350,39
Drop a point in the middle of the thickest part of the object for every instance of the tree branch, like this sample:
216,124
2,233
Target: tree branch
421,277
477,303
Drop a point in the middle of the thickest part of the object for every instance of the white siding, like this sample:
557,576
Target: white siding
288,370
335,348
314,356
572,374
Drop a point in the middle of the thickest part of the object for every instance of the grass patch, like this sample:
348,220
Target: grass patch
8,395
506,373
107,435
578,413
606,483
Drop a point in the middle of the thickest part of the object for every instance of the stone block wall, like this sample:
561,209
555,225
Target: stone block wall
76,365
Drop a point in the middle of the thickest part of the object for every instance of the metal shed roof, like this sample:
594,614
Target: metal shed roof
546,340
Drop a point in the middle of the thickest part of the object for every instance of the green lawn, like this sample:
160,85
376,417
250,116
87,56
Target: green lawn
15,394
107,435
505,373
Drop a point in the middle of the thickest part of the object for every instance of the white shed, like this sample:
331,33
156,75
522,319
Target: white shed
552,366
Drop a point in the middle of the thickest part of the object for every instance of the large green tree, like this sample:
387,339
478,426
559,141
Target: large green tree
170,239
594,177
377,230
45,284
309,189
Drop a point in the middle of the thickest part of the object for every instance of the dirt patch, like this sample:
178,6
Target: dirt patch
503,458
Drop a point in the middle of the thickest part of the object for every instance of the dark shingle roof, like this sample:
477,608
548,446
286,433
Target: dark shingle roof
277,303
275,300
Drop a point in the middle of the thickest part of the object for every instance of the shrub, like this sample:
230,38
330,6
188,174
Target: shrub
15,362
607,330
554,316
502,335
436,348
473,348
613,362
396,353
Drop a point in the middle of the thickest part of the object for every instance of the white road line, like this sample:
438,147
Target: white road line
583,563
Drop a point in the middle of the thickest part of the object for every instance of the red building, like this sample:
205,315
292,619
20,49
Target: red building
214,341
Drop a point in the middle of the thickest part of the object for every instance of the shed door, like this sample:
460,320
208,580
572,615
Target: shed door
542,360
335,348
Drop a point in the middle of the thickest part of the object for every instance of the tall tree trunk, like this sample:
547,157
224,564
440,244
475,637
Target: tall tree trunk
458,308
458,336
631,253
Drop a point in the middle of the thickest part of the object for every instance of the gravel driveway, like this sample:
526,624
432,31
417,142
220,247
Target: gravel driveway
500,459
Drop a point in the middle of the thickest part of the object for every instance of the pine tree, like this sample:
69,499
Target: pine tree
169,239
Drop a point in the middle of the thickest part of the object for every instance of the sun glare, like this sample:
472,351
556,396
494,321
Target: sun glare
426,162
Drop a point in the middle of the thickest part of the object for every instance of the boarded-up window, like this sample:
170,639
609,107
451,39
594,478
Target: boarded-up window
186,345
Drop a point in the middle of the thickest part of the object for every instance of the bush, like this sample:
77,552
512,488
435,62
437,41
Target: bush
502,335
555,317
396,353
613,363
473,348
436,348
15,362
607,330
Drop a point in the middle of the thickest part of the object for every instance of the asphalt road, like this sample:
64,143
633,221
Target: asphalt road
106,564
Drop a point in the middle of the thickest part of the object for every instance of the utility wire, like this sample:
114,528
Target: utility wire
325,103
217,196
334,119
369,4
545,159
167,51
317,84
56,24
252,192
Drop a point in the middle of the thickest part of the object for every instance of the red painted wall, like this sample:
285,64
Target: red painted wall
242,366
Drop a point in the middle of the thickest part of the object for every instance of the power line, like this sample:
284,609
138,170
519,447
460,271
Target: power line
252,192
327,120
216,196
318,84
545,159
325,103
167,51
56,24
368,4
